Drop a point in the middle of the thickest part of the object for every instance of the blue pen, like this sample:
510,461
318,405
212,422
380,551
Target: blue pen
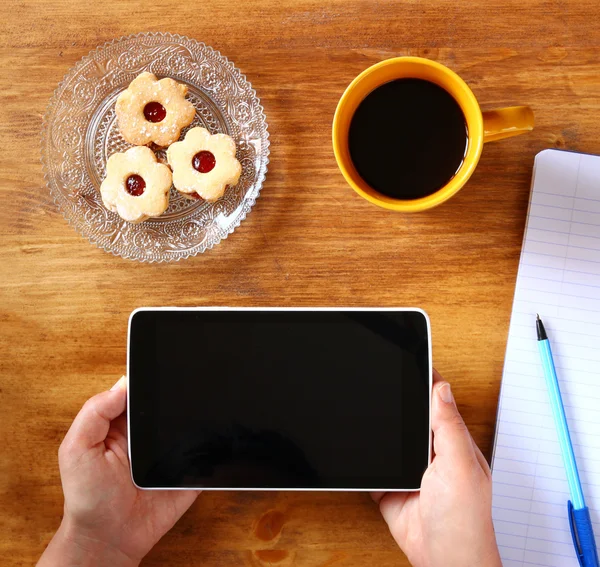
579,515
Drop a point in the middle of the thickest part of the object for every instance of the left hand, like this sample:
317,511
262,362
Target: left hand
107,520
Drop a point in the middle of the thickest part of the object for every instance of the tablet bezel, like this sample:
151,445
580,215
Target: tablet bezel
303,489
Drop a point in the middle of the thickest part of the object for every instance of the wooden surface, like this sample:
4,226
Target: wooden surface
309,241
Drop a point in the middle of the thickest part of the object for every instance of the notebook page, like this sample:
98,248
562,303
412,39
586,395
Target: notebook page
559,278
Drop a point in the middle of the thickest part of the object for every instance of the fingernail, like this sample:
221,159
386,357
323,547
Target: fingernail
120,383
445,393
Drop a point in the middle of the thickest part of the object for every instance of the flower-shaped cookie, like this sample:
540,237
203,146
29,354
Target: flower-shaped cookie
136,185
204,165
156,111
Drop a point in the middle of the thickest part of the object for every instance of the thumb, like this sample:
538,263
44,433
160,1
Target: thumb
92,423
451,438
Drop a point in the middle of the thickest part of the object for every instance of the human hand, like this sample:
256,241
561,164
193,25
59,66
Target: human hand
107,520
449,522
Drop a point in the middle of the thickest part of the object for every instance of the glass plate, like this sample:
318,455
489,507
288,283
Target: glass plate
80,132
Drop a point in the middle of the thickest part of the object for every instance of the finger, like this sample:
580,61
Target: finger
118,427
184,500
180,501
391,506
481,460
377,496
437,377
92,423
451,438
118,433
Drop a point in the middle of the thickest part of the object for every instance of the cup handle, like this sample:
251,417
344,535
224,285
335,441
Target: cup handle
506,122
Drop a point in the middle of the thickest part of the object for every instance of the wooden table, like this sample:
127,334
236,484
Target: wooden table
309,241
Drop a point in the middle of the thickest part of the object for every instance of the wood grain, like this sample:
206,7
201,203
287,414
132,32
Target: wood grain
309,241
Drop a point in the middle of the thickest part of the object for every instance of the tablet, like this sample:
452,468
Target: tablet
286,399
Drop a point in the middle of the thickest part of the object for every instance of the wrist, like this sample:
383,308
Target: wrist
72,547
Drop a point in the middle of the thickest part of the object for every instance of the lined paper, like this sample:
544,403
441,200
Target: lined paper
559,278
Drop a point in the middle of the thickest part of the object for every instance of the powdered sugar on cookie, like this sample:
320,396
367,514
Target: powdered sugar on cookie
204,164
153,111
136,185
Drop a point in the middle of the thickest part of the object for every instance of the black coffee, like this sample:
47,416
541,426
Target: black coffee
408,138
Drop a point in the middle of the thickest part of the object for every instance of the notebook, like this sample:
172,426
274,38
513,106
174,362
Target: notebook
559,278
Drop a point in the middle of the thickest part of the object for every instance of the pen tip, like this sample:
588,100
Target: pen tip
537,316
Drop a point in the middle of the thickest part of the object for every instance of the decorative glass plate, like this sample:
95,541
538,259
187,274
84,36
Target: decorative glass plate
80,133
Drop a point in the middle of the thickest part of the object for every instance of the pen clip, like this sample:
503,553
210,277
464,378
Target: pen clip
574,533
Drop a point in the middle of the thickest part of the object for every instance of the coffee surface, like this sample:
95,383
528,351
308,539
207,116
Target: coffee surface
408,138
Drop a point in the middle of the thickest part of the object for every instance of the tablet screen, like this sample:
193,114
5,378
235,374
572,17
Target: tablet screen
313,399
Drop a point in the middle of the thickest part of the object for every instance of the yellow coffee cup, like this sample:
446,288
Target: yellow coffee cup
481,126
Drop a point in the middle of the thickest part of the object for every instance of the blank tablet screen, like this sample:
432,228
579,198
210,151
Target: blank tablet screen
314,399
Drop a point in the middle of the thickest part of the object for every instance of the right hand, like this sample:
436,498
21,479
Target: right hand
449,522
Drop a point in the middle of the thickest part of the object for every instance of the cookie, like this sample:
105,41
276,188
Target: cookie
203,164
156,111
136,186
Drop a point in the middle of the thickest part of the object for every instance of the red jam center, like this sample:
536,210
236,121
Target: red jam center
195,195
135,185
204,161
154,112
